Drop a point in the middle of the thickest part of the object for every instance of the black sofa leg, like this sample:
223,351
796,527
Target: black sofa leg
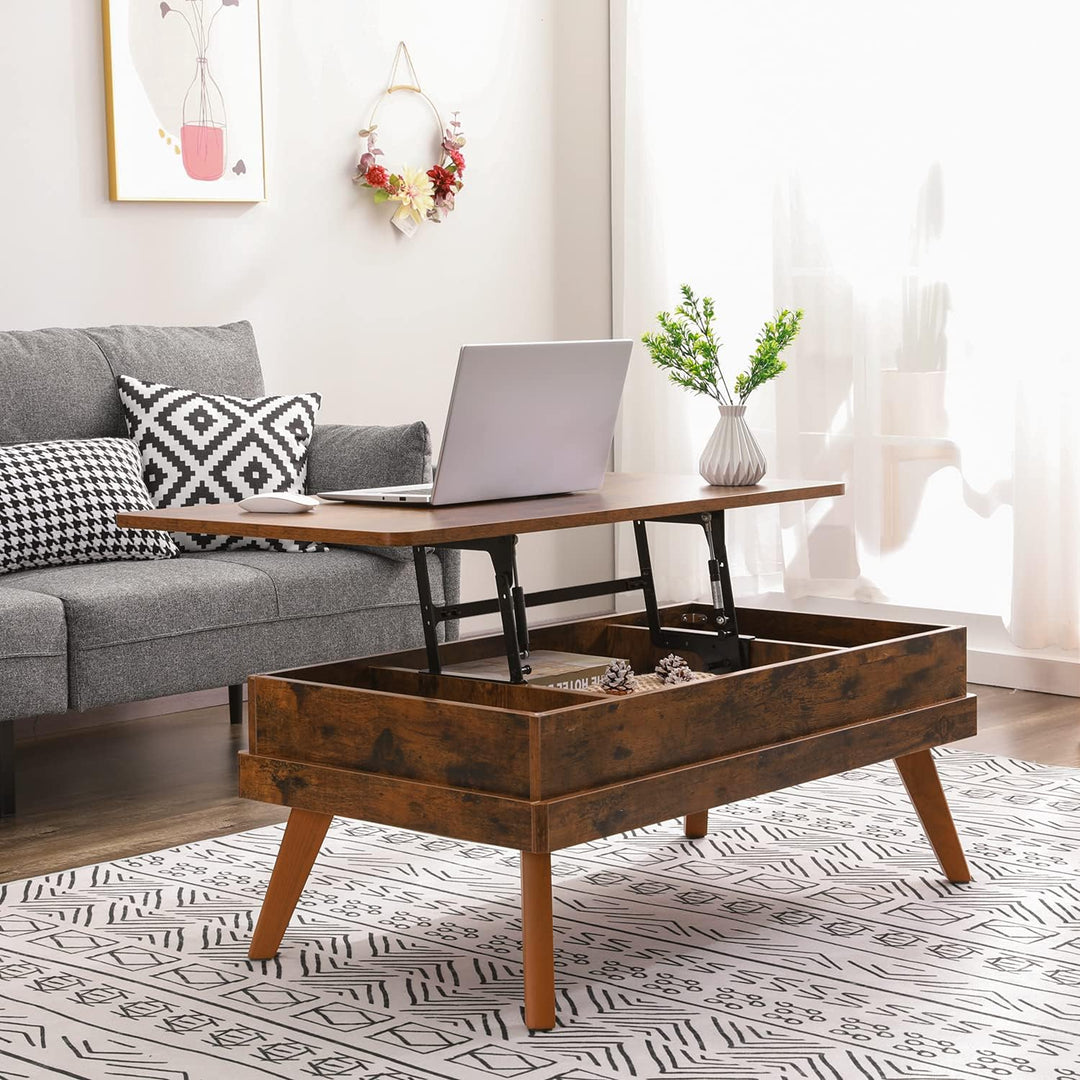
236,703
7,768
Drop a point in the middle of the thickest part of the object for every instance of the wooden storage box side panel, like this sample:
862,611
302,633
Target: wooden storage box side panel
620,738
410,736
443,811
839,631
588,815
634,643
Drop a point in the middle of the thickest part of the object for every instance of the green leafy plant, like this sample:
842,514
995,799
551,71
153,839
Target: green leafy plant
687,349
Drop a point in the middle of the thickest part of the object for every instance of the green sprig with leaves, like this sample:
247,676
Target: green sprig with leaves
686,348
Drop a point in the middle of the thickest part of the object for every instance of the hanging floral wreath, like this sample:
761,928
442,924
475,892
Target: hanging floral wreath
419,194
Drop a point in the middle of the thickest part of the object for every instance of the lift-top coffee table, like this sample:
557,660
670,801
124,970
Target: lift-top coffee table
393,740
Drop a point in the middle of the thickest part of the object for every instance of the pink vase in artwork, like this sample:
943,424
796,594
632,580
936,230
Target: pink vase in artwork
202,134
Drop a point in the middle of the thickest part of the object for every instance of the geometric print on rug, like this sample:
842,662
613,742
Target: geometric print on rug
810,935
200,449
59,500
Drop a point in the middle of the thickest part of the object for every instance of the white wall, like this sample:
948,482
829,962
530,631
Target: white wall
340,302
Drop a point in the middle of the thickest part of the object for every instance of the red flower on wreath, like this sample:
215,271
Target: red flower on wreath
443,179
377,176
457,159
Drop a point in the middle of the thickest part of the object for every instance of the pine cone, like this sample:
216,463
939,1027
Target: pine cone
674,670
619,678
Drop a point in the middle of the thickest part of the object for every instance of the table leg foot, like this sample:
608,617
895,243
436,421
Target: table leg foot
696,825
304,834
923,785
538,941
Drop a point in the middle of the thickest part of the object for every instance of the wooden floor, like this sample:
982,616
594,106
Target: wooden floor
127,788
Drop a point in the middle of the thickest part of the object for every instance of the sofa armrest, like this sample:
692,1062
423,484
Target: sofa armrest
345,456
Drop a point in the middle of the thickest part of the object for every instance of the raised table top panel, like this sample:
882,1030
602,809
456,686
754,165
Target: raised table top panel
624,497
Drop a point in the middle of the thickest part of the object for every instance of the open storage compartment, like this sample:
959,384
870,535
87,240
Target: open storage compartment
822,693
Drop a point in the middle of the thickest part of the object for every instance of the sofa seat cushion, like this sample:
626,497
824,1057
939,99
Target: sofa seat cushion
332,582
113,603
140,630
33,654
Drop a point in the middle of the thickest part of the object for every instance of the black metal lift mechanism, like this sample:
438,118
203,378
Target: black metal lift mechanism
717,642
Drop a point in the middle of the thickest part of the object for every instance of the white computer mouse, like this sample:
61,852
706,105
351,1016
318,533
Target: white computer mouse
279,502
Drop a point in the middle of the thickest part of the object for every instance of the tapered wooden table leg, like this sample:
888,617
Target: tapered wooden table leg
696,825
304,833
537,941
920,777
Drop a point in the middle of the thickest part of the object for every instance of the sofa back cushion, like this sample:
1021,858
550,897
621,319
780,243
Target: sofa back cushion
61,384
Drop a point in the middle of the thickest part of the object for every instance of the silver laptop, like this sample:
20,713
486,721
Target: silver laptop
531,419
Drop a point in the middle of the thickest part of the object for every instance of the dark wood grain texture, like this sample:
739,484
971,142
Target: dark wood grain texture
624,497
556,742
833,631
619,738
123,788
545,825
590,815
389,800
414,737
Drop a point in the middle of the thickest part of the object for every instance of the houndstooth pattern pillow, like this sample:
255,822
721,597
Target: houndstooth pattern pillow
200,449
58,502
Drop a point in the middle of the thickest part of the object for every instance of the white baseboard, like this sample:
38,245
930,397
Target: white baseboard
1046,676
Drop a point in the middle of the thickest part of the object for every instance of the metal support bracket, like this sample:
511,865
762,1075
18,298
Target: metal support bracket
718,643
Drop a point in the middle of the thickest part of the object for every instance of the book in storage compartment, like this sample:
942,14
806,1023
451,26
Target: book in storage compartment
549,667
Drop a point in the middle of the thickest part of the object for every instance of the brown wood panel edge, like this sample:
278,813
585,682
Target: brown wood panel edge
524,823
951,703
460,707
589,815
461,813
588,698
471,647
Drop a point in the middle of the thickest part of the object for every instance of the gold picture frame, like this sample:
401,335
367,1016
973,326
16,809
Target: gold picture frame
184,100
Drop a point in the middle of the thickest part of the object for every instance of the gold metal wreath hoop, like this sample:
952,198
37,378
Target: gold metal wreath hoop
414,87
420,195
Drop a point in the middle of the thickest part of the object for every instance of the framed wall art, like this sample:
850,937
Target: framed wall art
183,99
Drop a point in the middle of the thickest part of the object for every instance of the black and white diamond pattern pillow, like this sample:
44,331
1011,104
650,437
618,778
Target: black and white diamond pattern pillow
199,449
59,500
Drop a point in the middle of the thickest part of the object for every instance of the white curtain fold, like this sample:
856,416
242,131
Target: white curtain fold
906,176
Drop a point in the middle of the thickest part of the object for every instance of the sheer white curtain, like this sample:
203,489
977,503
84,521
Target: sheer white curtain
907,175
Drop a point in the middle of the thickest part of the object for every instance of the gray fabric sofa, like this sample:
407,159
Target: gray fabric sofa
79,637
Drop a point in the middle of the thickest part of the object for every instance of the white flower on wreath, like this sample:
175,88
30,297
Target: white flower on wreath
416,195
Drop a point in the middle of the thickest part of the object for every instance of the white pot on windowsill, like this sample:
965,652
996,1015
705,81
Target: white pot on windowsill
732,457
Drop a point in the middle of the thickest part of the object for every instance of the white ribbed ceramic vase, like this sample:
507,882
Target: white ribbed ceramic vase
732,457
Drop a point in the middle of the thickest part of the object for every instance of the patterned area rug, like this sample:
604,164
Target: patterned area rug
809,936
